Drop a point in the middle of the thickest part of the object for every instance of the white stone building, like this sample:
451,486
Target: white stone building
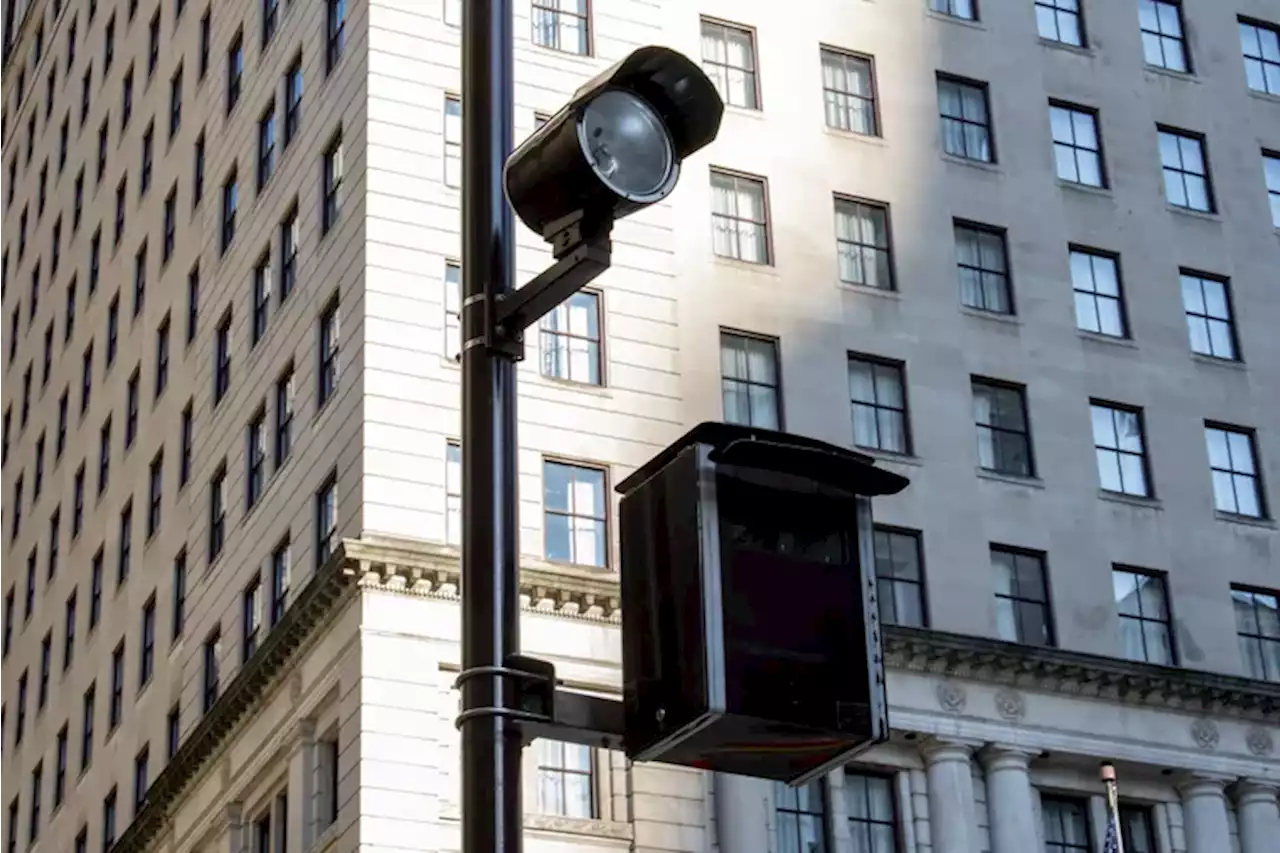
1023,252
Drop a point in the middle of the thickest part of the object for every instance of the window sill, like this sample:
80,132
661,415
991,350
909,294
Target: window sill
1246,520
890,457
971,23
1012,479
868,290
1185,76
1086,189
864,138
989,166
1131,500
766,269
753,113
1008,319
1078,49
1203,215
600,390
1214,361
596,828
1267,97
1107,340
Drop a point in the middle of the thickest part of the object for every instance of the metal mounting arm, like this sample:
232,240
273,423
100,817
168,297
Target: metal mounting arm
582,250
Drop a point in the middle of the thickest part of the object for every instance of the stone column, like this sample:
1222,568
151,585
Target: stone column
1009,804
743,811
301,777
1204,808
1257,815
236,829
952,821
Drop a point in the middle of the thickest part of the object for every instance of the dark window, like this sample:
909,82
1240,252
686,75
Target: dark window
801,816
148,155
575,518
289,239
1258,631
147,652
1211,325
1066,826
1143,606
1233,462
293,100
155,494
235,70
104,455
197,171
206,28
1004,437
126,100
749,380
69,327
266,145
162,356
335,32
217,513
95,588
173,732
251,618
124,557
222,359
326,519
333,174
982,261
270,20
230,203
327,369
877,394
122,192
1022,597
255,458
1186,171
109,820
210,679
60,767
966,119
37,790
175,102
87,712
109,44
1120,446
113,330
132,394
284,417
20,725
46,667
140,778
562,25
862,243
95,257
739,218
281,559
1095,281
69,632
186,443
566,779
77,502
1164,43
193,303
261,299
178,619
899,577
115,709
1077,144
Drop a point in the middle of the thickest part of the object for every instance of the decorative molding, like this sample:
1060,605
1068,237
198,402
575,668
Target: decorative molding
1205,733
1010,704
951,697
1259,741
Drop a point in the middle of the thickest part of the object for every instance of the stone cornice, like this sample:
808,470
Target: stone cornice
432,570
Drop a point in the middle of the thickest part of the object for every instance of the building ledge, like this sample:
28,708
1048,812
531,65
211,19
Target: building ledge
432,570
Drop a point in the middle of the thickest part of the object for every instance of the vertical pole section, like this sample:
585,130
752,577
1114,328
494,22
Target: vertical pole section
491,746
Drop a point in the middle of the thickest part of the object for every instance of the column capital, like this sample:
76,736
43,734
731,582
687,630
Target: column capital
941,749
1198,784
1003,756
1251,790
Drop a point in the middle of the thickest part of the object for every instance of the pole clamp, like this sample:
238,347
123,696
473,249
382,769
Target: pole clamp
534,688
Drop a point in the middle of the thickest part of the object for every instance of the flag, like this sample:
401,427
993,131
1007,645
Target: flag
1112,842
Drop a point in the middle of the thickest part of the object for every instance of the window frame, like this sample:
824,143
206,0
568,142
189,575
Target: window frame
1095,115
840,203
776,346
1257,475
545,768
1184,44
552,336
1202,141
767,224
1273,192
981,228
550,7
825,50
1021,390
333,175
1142,619
606,520
1122,310
989,126
1144,456
1261,26
723,28
1047,604
328,353
823,818
900,367
1201,277
1048,801
921,584
1261,640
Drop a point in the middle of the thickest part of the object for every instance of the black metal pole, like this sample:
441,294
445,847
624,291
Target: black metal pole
491,745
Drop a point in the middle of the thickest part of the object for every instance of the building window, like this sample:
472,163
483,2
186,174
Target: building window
210,672
574,514
175,102
1271,172
335,32
153,43
251,618
1164,43
230,202
1095,280
261,298
1119,443
982,261
1260,44
862,243
801,816
877,394
569,337
452,494
1144,616
289,240
69,629
173,732
1066,826
206,28
104,458
1186,171
132,395
562,25
293,100
124,557
178,621
327,369
1258,631
148,157
162,356
281,560
193,303
739,218
729,58
109,819
453,311
1136,829
566,779
222,359
966,119
170,224
113,330
1004,439
115,709
849,92
284,417
333,172
1210,322
270,19
1077,148
217,512
327,764
140,782
147,655
60,768
1237,487
122,194
77,502
452,141
266,145
326,520
186,441
255,458
235,70
1022,597
154,494
870,807
899,577
749,380
95,588
1060,21
126,99
197,171
87,713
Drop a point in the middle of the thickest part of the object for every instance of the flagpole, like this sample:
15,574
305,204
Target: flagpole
1115,839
